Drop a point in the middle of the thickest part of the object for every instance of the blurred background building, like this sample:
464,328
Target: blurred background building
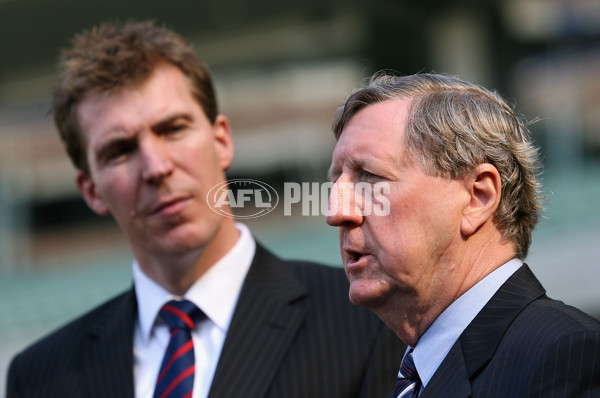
281,69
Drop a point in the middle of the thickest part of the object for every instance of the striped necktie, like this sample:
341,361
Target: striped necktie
176,376
408,379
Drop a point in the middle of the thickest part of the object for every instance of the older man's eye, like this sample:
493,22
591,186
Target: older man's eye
368,176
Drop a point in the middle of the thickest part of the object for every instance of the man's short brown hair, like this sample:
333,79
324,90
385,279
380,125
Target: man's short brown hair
111,57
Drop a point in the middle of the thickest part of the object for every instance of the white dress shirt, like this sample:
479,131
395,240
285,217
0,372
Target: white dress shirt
441,335
215,293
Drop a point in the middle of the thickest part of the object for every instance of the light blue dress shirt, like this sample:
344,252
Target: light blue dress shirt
439,338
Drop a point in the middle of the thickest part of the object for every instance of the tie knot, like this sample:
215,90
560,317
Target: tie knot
408,370
408,378
181,314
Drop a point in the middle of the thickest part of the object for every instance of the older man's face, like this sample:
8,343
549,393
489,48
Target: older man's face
406,256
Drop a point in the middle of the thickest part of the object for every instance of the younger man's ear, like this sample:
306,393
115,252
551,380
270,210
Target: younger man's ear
223,141
90,195
485,188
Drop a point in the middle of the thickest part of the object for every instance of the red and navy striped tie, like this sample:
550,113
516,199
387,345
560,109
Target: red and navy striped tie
176,376
408,379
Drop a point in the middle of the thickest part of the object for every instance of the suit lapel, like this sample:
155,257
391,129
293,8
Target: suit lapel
107,355
451,378
477,344
270,310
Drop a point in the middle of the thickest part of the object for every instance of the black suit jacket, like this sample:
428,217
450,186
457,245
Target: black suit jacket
522,344
293,334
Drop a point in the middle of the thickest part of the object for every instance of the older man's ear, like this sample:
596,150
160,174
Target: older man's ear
485,187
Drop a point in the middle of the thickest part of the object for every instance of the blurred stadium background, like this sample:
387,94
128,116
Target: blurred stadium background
281,68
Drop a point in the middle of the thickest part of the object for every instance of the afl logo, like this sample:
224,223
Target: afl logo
251,198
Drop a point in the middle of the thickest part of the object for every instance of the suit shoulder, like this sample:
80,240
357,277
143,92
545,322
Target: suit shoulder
560,316
317,276
554,336
300,266
545,323
66,336
328,286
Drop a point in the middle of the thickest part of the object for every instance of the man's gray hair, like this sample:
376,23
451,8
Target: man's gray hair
454,126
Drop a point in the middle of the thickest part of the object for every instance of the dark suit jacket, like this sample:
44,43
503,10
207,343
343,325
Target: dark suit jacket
522,344
293,334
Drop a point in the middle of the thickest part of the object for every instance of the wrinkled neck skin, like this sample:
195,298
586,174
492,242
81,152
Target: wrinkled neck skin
410,314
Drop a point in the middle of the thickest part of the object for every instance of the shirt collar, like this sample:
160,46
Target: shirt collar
215,293
439,338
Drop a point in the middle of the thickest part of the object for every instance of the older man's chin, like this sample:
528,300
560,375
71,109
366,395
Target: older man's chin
368,293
